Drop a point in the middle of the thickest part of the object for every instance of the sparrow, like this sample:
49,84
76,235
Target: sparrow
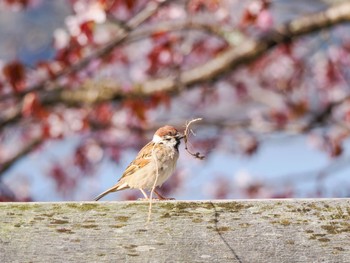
155,161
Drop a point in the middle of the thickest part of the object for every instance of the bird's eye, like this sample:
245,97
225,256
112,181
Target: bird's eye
168,139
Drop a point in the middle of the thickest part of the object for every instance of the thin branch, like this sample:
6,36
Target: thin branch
323,116
191,23
4,167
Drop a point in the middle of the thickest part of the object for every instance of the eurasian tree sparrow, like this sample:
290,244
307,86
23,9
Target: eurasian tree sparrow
156,160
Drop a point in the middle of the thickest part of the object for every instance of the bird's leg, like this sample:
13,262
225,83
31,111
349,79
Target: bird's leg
162,197
144,194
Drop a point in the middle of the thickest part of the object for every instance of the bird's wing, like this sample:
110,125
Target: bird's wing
146,151
143,158
134,166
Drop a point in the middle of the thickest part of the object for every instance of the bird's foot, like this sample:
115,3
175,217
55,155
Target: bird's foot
163,197
156,199
168,198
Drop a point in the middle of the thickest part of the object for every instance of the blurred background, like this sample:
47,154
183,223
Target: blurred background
84,84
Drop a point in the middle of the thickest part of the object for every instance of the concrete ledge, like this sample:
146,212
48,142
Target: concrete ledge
311,230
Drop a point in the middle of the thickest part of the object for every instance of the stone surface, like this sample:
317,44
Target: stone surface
314,230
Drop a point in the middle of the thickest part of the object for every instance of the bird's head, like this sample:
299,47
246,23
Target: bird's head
168,135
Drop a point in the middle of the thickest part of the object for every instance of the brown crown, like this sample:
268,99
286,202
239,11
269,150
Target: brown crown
166,130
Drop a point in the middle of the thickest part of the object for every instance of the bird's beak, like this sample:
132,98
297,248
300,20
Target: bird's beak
180,136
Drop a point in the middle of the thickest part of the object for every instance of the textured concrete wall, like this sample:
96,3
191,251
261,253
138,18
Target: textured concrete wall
192,231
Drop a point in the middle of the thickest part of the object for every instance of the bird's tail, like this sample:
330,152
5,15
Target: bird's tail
114,188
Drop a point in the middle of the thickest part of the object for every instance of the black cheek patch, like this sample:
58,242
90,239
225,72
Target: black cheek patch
177,145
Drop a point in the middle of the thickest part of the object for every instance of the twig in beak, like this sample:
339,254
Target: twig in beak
185,136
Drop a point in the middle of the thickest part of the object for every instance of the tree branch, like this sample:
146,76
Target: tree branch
10,116
227,61
250,50
150,9
4,167
191,23
138,19
215,68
